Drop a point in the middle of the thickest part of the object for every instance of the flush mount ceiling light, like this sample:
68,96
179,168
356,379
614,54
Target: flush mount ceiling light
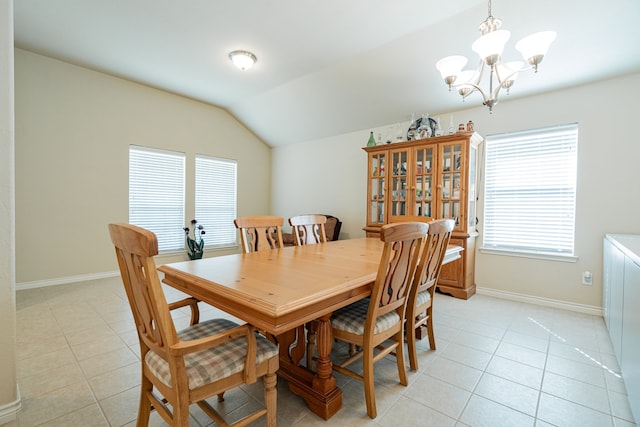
489,47
243,59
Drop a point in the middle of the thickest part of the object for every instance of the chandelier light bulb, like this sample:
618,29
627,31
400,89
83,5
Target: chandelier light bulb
508,73
450,67
534,47
465,80
491,45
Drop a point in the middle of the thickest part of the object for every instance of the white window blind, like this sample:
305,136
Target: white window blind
530,191
156,194
216,182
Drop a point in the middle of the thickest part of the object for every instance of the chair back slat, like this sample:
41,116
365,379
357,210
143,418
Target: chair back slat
403,242
135,248
260,233
438,238
308,229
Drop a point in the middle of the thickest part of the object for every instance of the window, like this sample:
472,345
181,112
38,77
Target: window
530,191
216,181
156,194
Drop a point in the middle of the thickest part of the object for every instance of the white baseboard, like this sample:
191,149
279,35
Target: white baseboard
65,280
547,302
9,411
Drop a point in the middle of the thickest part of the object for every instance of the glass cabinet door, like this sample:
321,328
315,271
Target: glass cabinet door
451,181
376,198
398,183
423,173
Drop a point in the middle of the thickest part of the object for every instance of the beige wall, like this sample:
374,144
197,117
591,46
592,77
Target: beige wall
9,399
330,177
73,130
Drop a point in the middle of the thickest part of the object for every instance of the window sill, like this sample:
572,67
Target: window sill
170,253
207,250
533,255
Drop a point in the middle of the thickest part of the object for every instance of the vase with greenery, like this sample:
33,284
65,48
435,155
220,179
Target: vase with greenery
195,244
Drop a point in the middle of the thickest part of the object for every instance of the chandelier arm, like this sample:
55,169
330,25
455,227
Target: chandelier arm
475,87
495,69
491,91
531,67
496,91
502,82
506,79
480,68
482,92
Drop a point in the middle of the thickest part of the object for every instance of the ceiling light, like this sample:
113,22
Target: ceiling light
489,47
243,59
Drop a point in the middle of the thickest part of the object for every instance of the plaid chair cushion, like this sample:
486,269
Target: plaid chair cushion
423,298
215,363
353,317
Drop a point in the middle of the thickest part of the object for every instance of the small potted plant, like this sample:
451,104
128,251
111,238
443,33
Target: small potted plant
195,245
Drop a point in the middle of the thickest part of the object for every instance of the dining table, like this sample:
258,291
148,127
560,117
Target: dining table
280,291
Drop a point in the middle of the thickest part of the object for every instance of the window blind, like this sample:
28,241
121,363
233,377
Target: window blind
530,190
156,194
215,194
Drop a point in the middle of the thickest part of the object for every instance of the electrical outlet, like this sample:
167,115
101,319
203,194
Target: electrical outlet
587,278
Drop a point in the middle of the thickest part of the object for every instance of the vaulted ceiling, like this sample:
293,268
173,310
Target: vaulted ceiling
324,68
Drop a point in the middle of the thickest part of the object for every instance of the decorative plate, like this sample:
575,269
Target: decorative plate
412,133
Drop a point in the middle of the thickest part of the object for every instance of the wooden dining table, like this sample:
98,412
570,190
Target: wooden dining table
280,291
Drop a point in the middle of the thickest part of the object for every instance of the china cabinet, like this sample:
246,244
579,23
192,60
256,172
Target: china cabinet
432,177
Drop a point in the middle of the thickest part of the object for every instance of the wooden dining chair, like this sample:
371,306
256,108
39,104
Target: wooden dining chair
375,325
188,366
260,233
308,229
420,302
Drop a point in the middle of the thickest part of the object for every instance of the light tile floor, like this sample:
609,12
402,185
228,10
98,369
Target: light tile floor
497,363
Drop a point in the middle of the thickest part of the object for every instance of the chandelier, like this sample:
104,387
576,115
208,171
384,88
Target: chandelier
489,47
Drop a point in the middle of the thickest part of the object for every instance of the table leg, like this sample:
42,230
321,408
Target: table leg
324,379
318,389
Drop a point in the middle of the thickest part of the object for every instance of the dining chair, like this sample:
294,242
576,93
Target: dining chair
308,229
259,233
420,302
188,366
375,325
410,218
